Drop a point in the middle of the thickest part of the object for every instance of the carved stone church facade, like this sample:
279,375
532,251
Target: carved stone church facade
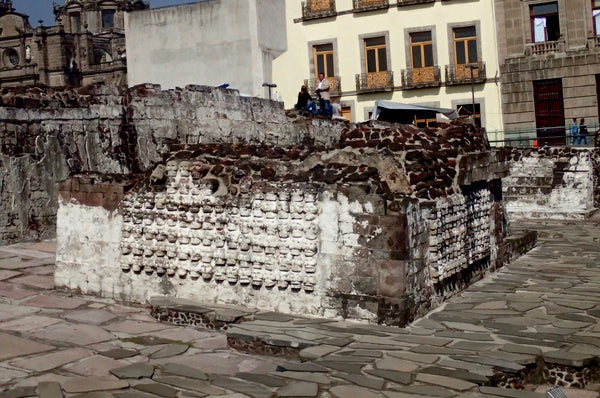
86,45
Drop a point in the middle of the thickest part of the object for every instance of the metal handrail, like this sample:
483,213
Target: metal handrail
529,137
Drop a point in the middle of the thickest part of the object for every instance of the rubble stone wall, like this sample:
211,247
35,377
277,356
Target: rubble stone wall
552,183
47,135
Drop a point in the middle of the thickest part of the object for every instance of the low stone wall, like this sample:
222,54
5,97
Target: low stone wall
47,135
368,229
552,183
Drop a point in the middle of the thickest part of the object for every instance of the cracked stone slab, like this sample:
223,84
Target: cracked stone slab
318,378
170,350
347,391
267,380
471,336
133,371
423,390
49,389
415,357
299,389
93,383
119,353
509,393
300,367
505,366
156,389
348,367
521,349
46,362
318,351
397,364
19,392
13,346
456,373
397,377
184,371
244,387
445,381
373,383
201,386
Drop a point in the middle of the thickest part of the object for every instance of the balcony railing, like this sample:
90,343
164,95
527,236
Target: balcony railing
421,77
460,74
313,9
411,2
374,82
545,47
368,5
335,89
594,42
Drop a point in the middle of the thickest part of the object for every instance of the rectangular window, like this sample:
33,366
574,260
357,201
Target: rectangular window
544,22
465,111
596,16
108,19
376,54
465,45
421,49
76,22
323,55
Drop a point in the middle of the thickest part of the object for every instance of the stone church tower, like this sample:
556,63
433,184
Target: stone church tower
86,45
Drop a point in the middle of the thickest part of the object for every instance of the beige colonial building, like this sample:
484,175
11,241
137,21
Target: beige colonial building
550,56
408,51
87,44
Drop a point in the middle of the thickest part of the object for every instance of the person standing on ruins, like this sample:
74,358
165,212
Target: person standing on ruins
324,96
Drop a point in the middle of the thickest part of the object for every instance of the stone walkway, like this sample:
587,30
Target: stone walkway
533,322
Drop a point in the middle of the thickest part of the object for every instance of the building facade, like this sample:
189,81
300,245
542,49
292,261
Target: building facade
87,44
550,65
409,51
212,42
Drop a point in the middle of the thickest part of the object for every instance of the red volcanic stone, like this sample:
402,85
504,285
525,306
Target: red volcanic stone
396,147
302,177
267,172
452,163
293,154
356,134
217,169
357,144
373,143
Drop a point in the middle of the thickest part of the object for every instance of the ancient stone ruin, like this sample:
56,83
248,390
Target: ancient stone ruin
200,193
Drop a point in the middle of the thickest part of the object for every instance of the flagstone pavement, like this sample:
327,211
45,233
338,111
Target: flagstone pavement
541,310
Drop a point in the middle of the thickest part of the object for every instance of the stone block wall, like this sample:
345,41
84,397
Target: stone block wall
47,135
552,183
344,231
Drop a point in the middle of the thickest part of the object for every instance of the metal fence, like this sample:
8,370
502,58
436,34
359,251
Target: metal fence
538,137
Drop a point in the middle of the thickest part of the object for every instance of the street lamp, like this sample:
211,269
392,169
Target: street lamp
471,67
271,86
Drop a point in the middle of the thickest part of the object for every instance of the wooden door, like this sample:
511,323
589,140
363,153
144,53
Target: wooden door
549,112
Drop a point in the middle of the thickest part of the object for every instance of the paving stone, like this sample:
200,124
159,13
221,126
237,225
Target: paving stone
445,381
10,374
563,324
521,359
45,301
96,365
75,334
15,263
273,316
505,392
366,353
397,364
422,390
282,340
318,378
39,281
352,391
135,327
18,392
7,274
471,336
347,359
93,383
397,377
119,353
456,373
318,351
184,371
338,341
46,362
504,366
132,394
426,349
432,341
348,367
299,389
468,366
10,311
244,387
568,358
429,324
267,380
201,386
300,367
411,356
91,316
29,323
133,371
521,349
170,350
48,389
473,346
523,306
373,383
156,389
13,346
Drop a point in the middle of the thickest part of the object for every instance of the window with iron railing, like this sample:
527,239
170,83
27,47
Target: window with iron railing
421,50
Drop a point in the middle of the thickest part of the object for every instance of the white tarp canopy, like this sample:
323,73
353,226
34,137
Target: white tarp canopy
396,112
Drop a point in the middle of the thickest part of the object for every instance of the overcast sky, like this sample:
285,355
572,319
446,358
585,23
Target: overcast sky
42,9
